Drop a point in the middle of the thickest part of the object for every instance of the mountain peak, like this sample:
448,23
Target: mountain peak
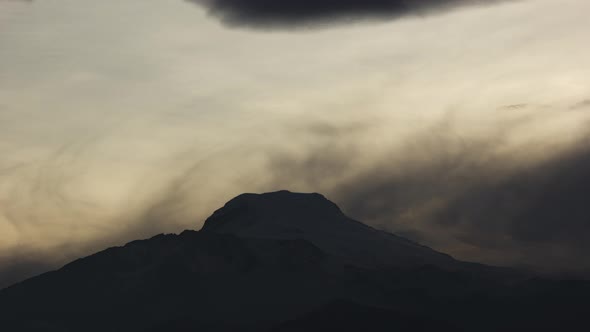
312,217
284,209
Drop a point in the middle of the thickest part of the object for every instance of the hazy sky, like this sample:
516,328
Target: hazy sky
465,128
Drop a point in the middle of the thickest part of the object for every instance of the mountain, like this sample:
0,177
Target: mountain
312,217
287,262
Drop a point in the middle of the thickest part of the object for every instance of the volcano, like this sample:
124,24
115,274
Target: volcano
286,261
312,217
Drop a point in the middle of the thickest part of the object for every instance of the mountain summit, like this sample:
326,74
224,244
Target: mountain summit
276,214
312,217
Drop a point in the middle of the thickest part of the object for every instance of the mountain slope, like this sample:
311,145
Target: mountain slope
213,277
312,217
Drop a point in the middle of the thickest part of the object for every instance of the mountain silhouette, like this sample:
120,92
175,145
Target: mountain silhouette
287,261
312,217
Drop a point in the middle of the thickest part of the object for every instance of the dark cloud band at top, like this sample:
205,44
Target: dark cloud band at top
293,13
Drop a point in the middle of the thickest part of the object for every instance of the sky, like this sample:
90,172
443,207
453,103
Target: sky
461,124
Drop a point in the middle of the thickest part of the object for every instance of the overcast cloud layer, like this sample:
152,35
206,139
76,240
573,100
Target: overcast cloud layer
466,131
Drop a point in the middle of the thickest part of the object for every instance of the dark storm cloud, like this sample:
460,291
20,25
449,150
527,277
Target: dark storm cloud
542,209
305,12
454,193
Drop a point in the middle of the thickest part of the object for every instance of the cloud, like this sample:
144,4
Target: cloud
479,199
292,13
